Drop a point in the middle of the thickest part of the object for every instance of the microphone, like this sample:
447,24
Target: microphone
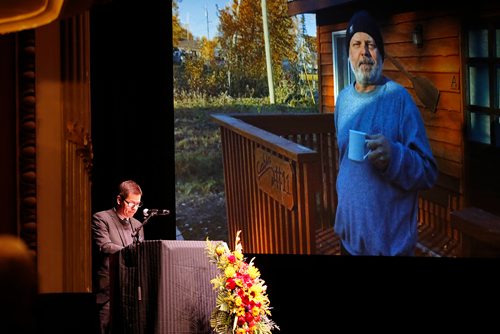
159,212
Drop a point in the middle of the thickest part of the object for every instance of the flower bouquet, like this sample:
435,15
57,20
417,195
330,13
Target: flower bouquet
242,305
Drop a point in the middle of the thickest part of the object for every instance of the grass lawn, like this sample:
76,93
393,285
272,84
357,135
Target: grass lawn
200,198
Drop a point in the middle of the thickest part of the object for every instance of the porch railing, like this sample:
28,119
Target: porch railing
278,180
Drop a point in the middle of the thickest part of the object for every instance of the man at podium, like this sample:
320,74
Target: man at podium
113,230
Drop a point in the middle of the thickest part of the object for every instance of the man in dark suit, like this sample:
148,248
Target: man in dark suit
113,230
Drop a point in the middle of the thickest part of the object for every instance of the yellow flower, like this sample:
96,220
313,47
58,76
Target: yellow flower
229,271
240,312
253,272
238,255
237,301
219,250
238,282
255,290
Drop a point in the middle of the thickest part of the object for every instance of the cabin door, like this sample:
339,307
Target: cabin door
482,112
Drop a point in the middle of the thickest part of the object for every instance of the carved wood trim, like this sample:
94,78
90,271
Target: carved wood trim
76,134
27,138
78,154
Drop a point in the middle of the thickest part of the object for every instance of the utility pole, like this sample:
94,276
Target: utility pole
233,44
208,29
268,52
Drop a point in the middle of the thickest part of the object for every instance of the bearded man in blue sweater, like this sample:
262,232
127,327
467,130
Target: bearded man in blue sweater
378,196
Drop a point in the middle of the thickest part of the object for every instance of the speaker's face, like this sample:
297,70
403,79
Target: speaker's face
129,206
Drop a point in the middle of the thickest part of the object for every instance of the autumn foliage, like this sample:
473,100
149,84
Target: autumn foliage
234,62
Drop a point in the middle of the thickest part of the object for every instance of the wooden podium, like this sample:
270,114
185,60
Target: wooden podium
162,286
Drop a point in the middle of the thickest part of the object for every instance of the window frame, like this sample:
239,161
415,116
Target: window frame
492,62
336,47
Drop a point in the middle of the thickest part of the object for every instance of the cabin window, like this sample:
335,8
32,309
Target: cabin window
480,125
497,42
342,73
478,43
482,113
483,85
479,85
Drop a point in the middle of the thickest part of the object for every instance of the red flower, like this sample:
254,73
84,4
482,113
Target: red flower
230,284
248,317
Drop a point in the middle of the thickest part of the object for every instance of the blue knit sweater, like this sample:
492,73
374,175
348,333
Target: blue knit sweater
377,211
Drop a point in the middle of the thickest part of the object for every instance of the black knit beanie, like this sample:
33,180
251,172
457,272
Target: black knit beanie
363,22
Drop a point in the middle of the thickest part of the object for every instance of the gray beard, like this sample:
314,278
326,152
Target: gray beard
367,78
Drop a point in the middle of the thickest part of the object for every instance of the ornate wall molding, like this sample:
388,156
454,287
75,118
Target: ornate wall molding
27,138
76,134
77,152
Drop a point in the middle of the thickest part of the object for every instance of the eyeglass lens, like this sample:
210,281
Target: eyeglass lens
132,204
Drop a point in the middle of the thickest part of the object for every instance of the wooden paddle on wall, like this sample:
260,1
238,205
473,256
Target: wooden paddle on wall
426,92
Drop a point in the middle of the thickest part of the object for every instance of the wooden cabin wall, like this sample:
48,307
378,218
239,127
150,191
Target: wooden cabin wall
325,60
438,60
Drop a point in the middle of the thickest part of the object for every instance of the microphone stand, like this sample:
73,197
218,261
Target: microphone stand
137,242
135,235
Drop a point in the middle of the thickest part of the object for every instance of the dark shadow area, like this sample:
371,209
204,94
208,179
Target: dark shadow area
132,107
319,293
67,313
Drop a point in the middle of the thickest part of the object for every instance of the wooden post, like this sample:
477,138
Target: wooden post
268,52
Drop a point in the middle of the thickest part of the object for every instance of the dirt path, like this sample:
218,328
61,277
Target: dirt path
200,217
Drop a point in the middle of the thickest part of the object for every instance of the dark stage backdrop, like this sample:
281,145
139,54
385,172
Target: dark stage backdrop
8,136
132,106
330,294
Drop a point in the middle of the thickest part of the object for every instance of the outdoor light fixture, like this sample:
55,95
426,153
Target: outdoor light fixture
417,36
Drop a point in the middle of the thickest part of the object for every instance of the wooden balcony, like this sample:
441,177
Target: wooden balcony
277,191
280,175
